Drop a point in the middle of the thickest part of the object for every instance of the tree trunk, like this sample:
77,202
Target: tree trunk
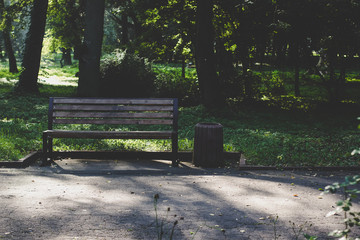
332,78
33,45
89,64
7,40
342,78
183,66
204,53
66,57
10,52
1,54
125,29
296,70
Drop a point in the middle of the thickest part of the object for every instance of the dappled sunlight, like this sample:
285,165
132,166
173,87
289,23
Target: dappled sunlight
58,80
116,200
9,81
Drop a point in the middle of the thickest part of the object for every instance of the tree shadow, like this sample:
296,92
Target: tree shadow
115,200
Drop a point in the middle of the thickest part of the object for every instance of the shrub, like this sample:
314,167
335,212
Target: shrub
274,84
125,74
170,83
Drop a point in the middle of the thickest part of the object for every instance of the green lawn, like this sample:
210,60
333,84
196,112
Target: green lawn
280,132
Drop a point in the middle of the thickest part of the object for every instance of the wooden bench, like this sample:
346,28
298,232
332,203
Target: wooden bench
116,111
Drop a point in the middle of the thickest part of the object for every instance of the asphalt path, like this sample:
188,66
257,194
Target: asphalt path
97,199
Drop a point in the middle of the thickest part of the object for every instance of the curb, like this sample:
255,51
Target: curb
183,156
23,162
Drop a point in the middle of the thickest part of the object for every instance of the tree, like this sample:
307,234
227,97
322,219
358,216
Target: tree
7,40
211,95
33,45
65,26
89,62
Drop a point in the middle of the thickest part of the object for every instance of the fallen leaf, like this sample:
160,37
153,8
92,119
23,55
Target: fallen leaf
295,195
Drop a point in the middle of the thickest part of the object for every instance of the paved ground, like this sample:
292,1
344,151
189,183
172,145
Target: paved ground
78,199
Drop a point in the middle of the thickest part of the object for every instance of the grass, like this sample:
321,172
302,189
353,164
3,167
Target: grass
277,131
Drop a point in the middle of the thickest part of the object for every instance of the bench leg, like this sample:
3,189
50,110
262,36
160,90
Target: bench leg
47,150
175,156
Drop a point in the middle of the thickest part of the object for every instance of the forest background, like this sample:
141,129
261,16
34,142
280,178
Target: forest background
281,76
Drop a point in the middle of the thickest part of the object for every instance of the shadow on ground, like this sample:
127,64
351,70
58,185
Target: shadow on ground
97,199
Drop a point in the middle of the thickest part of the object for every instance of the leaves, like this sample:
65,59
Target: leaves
345,206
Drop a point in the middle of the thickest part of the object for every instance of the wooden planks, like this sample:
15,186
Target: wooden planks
64,114
111,108
111,111
110,134
113,121
114,101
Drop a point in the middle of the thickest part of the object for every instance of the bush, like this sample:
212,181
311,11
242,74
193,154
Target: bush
126,75
274,84
170,84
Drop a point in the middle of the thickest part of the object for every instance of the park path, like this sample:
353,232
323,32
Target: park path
85,199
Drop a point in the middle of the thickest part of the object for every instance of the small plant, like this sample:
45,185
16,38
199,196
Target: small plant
160,224
274,221
298,230
351,218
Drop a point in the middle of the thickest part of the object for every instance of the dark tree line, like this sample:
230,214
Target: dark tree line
218,34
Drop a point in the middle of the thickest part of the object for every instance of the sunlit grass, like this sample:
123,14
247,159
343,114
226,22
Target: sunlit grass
278,131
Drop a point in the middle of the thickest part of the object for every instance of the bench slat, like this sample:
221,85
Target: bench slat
111,108
113,101
113,115
110,134
113,121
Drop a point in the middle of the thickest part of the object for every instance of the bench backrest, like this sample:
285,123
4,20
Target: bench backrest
151,111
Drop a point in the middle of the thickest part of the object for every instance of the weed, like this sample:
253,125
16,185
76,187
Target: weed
162,224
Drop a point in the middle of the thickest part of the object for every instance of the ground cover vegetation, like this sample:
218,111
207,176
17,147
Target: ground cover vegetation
282,77
281,133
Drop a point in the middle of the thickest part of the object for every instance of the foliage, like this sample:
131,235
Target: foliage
266,136
65,24
276,130
351,192
126,75
169,82
274,84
